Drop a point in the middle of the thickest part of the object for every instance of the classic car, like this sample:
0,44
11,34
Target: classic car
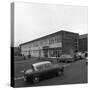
66,58
41,70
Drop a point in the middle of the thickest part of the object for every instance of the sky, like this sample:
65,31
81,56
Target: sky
34,20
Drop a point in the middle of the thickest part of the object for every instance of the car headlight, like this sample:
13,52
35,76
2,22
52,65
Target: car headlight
28,71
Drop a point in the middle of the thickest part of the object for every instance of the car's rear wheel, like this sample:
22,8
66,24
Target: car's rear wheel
35,79
60,72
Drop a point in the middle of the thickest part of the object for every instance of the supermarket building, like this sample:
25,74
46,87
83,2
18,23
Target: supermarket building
52,45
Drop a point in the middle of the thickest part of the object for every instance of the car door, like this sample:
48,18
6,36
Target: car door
52,71
41,72
47,72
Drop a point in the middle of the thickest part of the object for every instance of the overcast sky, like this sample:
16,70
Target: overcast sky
34,20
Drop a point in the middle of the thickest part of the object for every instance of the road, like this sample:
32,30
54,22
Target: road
74,73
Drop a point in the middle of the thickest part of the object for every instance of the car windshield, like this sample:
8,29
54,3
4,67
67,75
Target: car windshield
29,71
42,66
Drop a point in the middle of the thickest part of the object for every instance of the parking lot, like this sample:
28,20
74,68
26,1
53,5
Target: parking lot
74,73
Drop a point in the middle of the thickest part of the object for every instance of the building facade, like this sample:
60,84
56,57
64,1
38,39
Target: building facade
83,43
53,45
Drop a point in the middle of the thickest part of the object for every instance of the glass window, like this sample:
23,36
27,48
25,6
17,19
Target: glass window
55,52
51,40
43,66
57,38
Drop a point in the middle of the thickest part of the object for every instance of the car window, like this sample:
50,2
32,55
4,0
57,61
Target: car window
43,67
48,65
30,70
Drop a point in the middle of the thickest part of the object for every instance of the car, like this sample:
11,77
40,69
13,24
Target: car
41,70
86,60
66,58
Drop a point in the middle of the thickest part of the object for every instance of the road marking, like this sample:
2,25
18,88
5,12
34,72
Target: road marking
18,78
22,71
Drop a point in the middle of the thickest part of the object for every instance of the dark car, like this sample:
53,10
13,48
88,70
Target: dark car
42,70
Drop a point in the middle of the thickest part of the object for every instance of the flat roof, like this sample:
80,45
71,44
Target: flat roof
83,36
47,36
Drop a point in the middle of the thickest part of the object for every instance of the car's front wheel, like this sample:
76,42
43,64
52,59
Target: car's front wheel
35,79
62,70
25,79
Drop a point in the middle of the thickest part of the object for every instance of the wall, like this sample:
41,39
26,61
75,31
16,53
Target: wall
83,44
69,42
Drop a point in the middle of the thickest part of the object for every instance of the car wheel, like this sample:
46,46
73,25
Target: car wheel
25,79
35,79
62,71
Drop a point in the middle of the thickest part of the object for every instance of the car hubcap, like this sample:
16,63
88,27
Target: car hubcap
36,80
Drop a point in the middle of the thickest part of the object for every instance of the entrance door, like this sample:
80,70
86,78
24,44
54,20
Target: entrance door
45,51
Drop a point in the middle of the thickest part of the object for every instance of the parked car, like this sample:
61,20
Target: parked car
80,55
86,60
42,70
66,58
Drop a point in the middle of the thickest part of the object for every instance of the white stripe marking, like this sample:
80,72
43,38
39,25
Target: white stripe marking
22,71
18,78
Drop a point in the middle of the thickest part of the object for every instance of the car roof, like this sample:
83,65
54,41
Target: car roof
40,63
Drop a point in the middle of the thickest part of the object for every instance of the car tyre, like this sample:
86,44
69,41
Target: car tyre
62,70
25,79
35,80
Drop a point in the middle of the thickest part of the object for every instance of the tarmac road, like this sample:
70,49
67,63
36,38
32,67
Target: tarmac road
74,73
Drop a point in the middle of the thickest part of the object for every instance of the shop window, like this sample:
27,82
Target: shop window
55,52
51,41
